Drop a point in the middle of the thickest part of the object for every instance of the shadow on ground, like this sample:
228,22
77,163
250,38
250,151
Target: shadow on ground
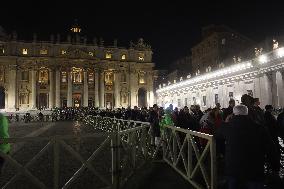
157,175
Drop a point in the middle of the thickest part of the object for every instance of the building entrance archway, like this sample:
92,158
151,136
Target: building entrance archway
142,97
77,99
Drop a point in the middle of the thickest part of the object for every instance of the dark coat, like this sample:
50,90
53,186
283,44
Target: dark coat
247,144
280,124
228,111
271,124
187,121
154,121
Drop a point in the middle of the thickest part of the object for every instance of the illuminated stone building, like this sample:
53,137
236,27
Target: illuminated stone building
261,77
73,73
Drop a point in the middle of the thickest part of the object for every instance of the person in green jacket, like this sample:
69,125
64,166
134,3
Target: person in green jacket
166,120
4,147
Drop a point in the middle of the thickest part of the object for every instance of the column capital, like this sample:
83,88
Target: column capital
13,67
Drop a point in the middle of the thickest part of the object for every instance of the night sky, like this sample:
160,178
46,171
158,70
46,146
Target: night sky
171,29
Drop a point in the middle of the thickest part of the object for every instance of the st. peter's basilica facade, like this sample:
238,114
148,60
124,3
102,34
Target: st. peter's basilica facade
73,73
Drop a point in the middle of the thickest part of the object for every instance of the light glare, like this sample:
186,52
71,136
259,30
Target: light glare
263,59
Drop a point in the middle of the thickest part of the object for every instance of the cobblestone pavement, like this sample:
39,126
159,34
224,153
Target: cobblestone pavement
43,166
20,129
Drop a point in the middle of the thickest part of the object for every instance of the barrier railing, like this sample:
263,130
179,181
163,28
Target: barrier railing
191,154
123,148
30,118
108,124
128,149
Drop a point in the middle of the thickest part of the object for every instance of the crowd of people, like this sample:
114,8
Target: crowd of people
247,137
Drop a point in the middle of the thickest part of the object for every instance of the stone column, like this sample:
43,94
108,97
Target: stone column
12,89
239,91
280,84
51,89
34,89
280,89
69,91
256,83
86,91
57,89
275,101
150,91
117,89
97,100
102,89
265,90
133,89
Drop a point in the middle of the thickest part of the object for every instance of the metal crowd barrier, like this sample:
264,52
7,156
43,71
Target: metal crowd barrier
129,148
191,154
31,118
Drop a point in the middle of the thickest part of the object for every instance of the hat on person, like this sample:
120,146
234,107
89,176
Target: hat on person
240,110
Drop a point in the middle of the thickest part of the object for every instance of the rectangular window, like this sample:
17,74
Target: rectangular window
91,77
250,93
142,79
23,98
123,57
77,76
185,101
25,75
25,51
231,95
179,103
216,99
204,100
43,76
223,41
108,55
63,77
43,51
194,100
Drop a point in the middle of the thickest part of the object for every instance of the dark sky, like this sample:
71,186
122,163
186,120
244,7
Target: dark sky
170,28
